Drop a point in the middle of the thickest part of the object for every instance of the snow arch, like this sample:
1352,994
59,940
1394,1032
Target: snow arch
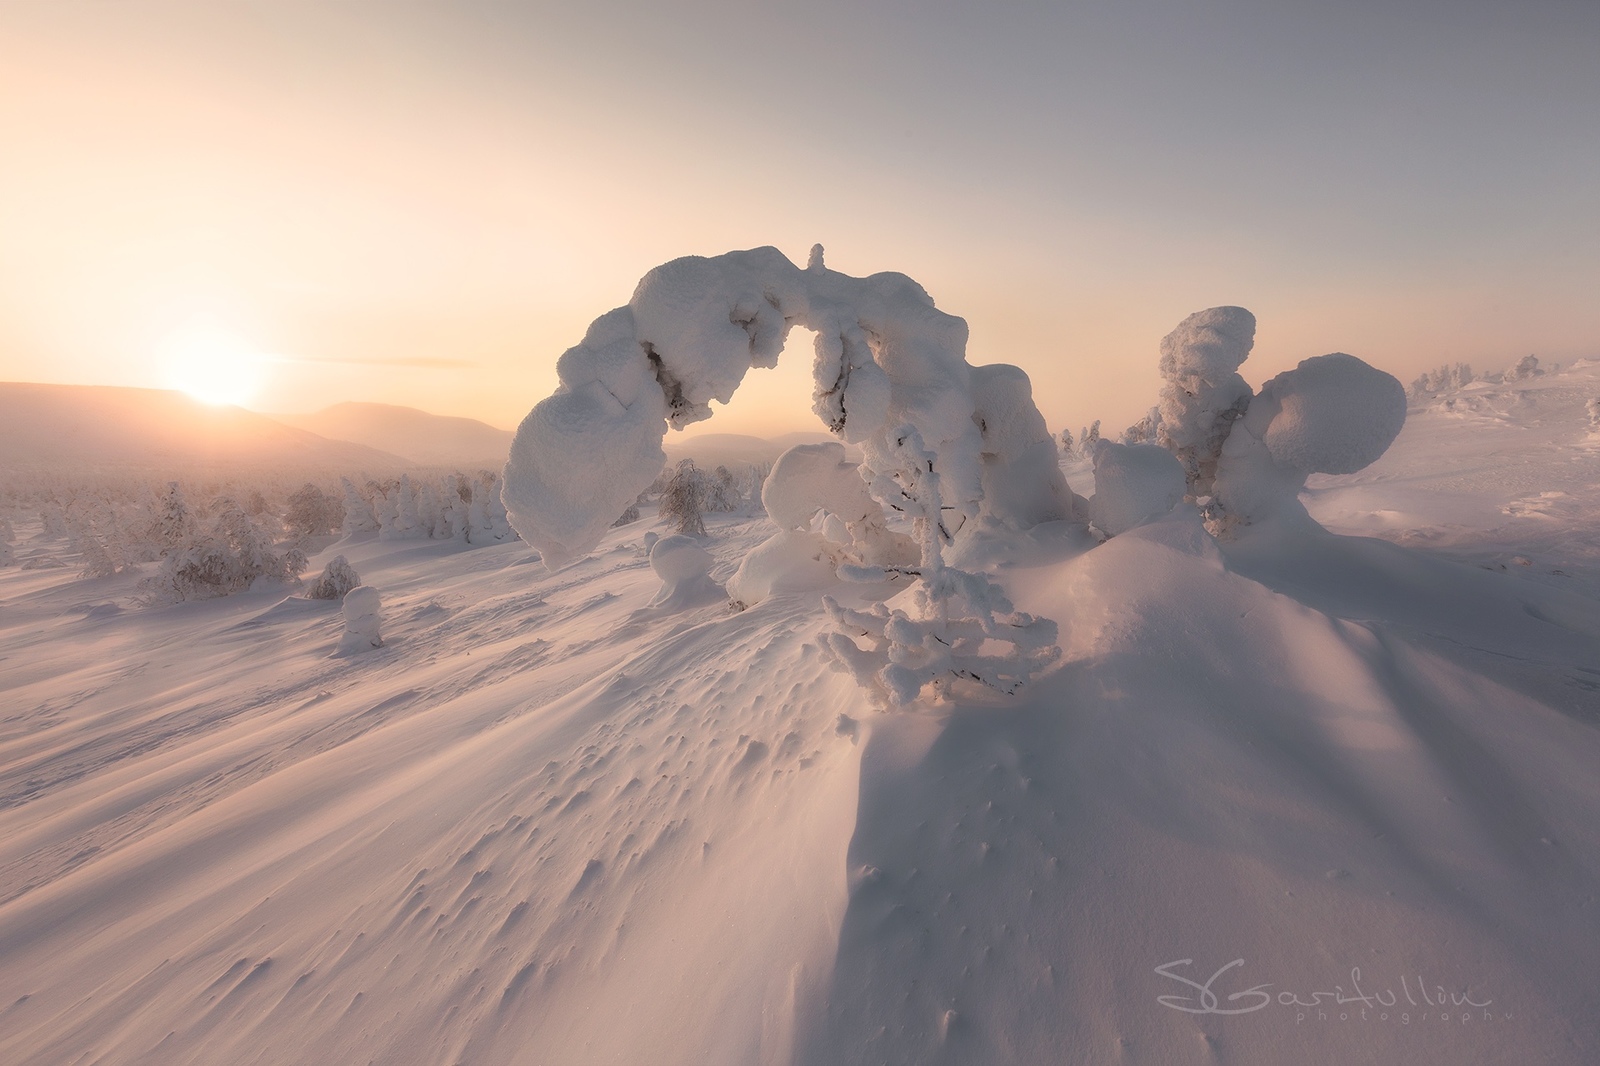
886,359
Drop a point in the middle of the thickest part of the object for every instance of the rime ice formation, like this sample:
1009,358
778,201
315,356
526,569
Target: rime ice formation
885,357
1204,394
363,610
337,579
1021,479
684,568
1133,483
1332,414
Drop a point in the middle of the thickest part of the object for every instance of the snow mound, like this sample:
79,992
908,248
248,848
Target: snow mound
1133,483
793,560
684,568
363,616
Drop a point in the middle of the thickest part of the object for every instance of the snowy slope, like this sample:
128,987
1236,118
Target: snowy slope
550,823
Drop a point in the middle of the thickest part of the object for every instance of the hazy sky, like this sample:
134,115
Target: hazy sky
425,204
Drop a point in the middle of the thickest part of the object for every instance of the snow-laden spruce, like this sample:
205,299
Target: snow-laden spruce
336,580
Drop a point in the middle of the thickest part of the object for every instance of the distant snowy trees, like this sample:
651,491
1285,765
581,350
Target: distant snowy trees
230,553
1446,378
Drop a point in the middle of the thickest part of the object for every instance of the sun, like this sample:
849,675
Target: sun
210,363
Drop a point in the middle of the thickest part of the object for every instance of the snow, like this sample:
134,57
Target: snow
548,821
1204,393
1133,483
684,568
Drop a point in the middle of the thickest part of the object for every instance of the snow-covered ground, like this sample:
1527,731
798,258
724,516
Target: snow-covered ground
548,822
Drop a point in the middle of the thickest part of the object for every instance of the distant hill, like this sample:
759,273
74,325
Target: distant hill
89,427
426,439
721,449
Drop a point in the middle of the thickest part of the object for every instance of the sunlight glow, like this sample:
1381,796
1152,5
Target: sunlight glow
210,363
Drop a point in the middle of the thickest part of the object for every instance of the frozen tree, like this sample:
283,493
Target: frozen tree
175,523
1089,439
358,514
1145,430
1333,414
628,517
954,617
402,521
101,554
233,554
486,515
1133,483
337,578
890,374
1203,394
722,494
1593,407
1020,474
363,620
312,512
1527,367
1069,449
683,500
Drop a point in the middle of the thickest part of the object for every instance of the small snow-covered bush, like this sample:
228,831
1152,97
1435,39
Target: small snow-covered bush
363,621
1332,414
1133,483
337,579
1204,394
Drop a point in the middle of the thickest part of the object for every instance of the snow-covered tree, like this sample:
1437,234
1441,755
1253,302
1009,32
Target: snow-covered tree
1527,367
336,579
683,499
1069,447
1593,407
232,554
312,512
1333,414
1203,394
175,522
358,513
1145,430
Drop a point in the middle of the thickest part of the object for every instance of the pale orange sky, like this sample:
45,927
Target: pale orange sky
424,205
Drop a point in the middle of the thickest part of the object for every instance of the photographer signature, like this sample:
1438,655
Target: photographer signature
1205,1001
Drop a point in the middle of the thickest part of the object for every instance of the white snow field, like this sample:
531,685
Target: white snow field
547,822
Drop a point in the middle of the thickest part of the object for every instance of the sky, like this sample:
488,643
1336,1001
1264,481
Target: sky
425,204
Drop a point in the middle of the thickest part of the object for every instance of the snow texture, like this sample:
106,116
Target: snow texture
1133,483
1021,475
1203,393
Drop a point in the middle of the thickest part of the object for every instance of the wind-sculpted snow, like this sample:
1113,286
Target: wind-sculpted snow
885,357
1204,393
1133,483
1333,414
